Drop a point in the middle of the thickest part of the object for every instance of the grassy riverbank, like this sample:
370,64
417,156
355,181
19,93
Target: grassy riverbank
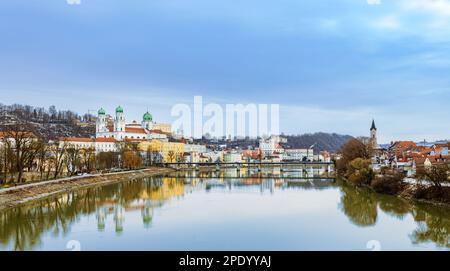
14,196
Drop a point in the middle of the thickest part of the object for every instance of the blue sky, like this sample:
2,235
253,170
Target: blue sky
332,65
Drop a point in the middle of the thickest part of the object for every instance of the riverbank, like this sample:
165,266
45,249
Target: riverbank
407,192
14,196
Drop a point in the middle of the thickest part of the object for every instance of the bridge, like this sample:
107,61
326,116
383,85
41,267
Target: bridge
250,163
258,165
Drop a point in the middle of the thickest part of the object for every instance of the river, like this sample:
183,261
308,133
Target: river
227,210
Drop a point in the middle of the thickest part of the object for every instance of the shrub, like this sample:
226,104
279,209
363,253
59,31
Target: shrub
391,182
437,175
433,193
359,171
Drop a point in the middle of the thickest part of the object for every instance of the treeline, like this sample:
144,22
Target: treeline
43,115
24,157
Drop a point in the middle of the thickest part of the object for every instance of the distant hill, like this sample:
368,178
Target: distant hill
48,124
324,141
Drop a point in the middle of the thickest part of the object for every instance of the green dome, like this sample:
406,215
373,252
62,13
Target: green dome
101,111
119,109
148,117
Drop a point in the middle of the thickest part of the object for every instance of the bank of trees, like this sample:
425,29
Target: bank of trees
24,157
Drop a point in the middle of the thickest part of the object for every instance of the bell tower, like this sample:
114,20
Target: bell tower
119,121
101,122
373,135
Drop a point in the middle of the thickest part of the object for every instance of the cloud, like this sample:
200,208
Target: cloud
388,22
74,2
374,2
437,7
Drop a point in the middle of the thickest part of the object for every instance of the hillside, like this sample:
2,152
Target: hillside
323,141
48,124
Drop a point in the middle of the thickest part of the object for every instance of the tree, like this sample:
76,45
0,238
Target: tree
437,174
359,171
42,159
21,148
58,155
72,160
88,158
171,156
105,160
353,149
131,160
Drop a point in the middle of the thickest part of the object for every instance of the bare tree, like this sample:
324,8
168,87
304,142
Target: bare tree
21,144
59,153
88,158
72,160
437,174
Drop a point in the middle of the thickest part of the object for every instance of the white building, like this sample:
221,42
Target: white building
271,145
232,157
97,144
298,155
120,130
194,148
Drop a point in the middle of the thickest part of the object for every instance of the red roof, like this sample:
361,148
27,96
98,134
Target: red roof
405,144
135,139
156,131
105,139
135,130
84,139
78,139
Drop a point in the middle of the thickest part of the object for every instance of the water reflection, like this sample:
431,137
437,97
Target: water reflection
23,228
361,206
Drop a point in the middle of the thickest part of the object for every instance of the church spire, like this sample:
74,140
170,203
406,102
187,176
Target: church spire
373,125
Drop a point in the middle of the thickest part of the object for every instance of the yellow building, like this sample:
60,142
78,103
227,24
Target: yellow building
163,127
170,151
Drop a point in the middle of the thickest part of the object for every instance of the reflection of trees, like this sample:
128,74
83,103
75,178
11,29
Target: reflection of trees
359,205
23,227
433,222
393,205
434,226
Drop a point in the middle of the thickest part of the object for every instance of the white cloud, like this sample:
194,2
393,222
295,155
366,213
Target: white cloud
437,7
73,2
374,2
387,22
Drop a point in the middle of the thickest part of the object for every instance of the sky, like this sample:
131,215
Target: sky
331,65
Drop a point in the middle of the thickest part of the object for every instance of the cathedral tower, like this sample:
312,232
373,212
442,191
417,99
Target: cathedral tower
101,121
147,121
119,121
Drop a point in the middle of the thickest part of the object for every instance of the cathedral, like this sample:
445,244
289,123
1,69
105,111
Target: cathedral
117,128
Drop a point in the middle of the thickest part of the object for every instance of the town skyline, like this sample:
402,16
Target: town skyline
332,67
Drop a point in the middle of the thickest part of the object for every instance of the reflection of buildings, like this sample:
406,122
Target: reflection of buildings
170,188
101,218
151,195
119,218
147,214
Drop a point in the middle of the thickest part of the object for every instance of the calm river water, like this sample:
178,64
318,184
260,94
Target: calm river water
268,210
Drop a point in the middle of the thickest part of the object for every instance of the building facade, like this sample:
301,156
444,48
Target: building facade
118,129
